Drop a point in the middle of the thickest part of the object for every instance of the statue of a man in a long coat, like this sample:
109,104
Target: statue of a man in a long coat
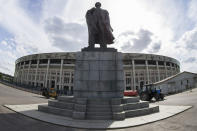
99,28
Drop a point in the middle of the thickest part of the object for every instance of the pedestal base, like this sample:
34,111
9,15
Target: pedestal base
99,75
98,91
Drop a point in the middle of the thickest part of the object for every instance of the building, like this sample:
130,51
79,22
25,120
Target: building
177,83
57,69
6,78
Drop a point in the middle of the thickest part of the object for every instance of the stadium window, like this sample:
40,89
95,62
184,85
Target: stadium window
167,63
43,61
140,62
69,61
128,88
151,62
26,62
160,63
55,61
33,61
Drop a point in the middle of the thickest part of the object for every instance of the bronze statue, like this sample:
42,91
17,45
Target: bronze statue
99,28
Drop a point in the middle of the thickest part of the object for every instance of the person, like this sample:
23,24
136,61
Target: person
99,28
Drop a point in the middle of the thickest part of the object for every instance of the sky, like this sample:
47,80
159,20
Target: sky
161,27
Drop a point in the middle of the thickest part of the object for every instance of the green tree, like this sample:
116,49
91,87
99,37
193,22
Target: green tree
1,76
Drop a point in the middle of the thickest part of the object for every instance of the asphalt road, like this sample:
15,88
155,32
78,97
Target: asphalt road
11,121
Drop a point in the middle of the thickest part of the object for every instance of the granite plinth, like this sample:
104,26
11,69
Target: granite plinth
98,91
99,75
98,108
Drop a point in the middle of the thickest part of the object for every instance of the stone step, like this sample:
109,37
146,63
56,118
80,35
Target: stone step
98,113
98,101
60,104
133,106
126,100
69,99
142,111
98,106
94,117
54,110
99,109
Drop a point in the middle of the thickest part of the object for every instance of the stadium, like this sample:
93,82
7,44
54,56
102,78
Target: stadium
56,70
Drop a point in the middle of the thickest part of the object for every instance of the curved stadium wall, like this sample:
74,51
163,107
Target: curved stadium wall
56,70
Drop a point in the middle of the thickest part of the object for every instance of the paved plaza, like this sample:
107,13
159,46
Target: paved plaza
9,120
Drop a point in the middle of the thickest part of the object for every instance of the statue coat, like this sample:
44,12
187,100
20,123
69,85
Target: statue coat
99,28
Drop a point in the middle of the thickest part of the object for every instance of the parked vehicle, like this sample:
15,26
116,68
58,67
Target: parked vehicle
49,92
149,91
130,93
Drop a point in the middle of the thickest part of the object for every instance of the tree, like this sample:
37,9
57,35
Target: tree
1,76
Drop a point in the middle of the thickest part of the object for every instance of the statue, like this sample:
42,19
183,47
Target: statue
99,28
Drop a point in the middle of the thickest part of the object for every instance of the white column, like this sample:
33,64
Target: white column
176,69
28,71
22,74
70,82
124,80
60,77
158,73
171,70
35,81
133,66
147,71
47,73
165,69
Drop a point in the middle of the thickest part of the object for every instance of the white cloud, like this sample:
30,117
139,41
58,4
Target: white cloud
193,10
141,41
68,36
4,43
156,26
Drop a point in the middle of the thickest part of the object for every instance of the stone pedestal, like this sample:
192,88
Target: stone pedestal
98,75
98,90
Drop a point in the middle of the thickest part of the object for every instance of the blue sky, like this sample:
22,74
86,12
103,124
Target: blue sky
146,26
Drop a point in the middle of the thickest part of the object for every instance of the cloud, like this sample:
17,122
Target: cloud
189,39
66,36
143,40
190,60
192,11
155,47
4,43
163,27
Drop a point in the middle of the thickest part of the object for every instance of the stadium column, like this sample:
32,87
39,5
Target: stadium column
46,79
61,78
20,74
22,78
70,77
147,71
28,71
165,69
158,73
36,72
171,70
133,65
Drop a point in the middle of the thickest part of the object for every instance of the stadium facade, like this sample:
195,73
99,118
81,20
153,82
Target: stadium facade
56,70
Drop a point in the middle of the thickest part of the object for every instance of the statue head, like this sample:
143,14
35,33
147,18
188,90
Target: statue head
98,5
